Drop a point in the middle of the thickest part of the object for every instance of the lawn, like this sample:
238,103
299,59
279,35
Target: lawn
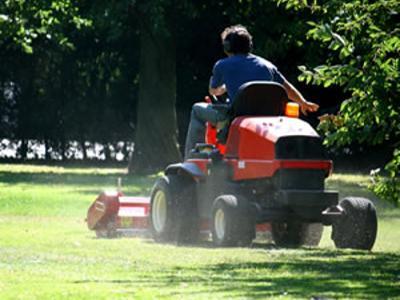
46,251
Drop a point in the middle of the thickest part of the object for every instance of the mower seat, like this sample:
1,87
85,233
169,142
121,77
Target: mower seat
259,98
256,98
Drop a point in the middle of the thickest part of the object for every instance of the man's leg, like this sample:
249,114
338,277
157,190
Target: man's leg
201,113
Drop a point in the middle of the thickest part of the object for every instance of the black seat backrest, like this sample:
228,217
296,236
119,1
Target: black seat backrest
260,98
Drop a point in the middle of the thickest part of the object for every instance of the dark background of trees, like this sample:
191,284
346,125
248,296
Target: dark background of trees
78,81
124,74
83,71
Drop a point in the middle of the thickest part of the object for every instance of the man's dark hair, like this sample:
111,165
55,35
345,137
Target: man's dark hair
237,40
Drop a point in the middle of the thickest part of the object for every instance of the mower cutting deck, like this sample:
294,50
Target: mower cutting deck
112,214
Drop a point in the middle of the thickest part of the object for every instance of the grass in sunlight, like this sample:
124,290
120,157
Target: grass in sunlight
46,251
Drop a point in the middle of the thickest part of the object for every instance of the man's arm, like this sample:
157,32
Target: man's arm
296,96
218,91
217,86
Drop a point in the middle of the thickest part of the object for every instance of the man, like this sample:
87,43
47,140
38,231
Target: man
229,74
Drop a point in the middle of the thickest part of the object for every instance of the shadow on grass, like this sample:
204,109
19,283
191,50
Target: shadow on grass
313,274
343,275
208,244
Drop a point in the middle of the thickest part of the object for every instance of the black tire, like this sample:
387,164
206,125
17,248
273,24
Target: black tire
357,228
189,220
295,234
173,210
233,222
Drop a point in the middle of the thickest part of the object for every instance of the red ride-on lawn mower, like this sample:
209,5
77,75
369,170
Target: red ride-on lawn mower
272,169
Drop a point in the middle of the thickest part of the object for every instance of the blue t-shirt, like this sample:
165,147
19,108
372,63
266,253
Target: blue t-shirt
236,70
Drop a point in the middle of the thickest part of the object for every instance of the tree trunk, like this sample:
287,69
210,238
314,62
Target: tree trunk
156,131
83,149
22,151
47,155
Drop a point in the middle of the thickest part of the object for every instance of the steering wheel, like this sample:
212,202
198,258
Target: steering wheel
219,99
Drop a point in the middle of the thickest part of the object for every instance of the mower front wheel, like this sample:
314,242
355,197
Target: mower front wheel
357,228
233,223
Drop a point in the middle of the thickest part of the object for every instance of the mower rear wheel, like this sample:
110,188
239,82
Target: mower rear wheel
232,222
357,228
173,210
296,233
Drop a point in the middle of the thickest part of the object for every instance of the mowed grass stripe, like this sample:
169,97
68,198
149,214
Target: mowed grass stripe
46,251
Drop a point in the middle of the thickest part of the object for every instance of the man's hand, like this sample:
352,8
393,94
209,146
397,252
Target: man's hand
295,95
308,107
219,91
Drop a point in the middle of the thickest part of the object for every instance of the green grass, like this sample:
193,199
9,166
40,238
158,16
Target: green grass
46,251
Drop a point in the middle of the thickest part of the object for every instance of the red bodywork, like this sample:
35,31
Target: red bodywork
211,138
255,137
211,134
250,148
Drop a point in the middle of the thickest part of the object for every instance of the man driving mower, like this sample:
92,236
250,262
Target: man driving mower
228,75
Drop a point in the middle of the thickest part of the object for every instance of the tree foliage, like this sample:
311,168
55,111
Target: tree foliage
67,74
26,25
71,70
363,39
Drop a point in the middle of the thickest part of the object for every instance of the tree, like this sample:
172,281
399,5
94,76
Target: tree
71,70
65,74
364,44
156,132
156,143
32,37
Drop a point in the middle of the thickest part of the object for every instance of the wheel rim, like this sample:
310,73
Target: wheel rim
219,224
159,211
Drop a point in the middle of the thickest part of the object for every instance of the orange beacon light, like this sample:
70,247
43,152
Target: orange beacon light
292,110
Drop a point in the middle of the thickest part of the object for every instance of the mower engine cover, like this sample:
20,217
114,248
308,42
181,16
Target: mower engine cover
255,137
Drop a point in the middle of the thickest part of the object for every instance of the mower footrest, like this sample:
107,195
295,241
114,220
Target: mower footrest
308,198
333,211
271,215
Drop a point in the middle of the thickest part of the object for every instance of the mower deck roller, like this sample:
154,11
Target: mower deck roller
112,214
272,169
